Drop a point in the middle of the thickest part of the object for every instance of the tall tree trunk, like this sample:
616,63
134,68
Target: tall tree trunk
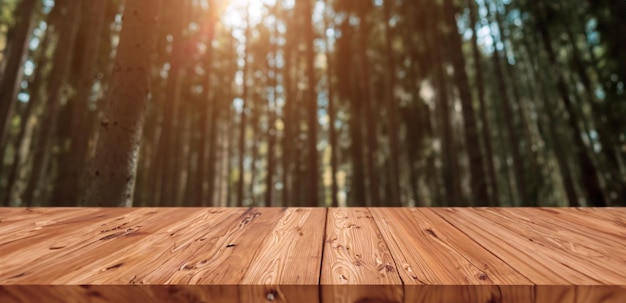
512,132
478,180
494,199
243,118
368,104
607,141
168,147
67,31
67,184
349,89
272,107
14,68
392,111
287,139
589,173
312,198
183,141
357,188
254,127
553,132
530,160
114,166
208,129
449,159
25,134
332,118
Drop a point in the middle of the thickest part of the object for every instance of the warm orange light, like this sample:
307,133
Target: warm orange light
237,12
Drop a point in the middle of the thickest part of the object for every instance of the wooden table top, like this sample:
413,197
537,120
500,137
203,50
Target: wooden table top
447,255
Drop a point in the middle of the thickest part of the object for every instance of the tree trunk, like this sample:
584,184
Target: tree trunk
392,112
113,169
254,127
607,141
513,135
494,199
67,185
332,118
67,31
591,178
553,133
478,180
14,68
450,161
287,140
243,119
272,107
530,159
312,198
168,147
367,102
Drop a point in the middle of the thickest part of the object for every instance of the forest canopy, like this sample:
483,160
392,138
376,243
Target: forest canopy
312,103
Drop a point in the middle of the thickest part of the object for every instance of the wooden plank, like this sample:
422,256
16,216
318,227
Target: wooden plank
277,255
599,265
80,245
438,263
573,237
590,222
554,271
170,232
183,253
614,215
357,265
611,221
225,258
287,267
35,223
212,247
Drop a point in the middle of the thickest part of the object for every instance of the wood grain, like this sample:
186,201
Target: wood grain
573,237
438,263
166,236
424,255
288,262
559,274
224,258
356,255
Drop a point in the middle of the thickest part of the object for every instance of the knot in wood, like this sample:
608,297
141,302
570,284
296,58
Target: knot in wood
271,295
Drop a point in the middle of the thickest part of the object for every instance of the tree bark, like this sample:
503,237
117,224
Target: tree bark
478,180
25,134
208,129
67,184
392,111
332,118
287,139
114,166
513,135
450,161
272,107
486,125
312,198
168,147
590,176
243,119
67,31
368,105
554,136
14,69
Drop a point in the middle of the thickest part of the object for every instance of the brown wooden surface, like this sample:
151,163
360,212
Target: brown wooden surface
447,255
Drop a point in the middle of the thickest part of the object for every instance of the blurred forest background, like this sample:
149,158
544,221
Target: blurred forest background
313,102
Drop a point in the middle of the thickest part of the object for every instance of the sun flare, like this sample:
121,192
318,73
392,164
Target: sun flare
237,12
